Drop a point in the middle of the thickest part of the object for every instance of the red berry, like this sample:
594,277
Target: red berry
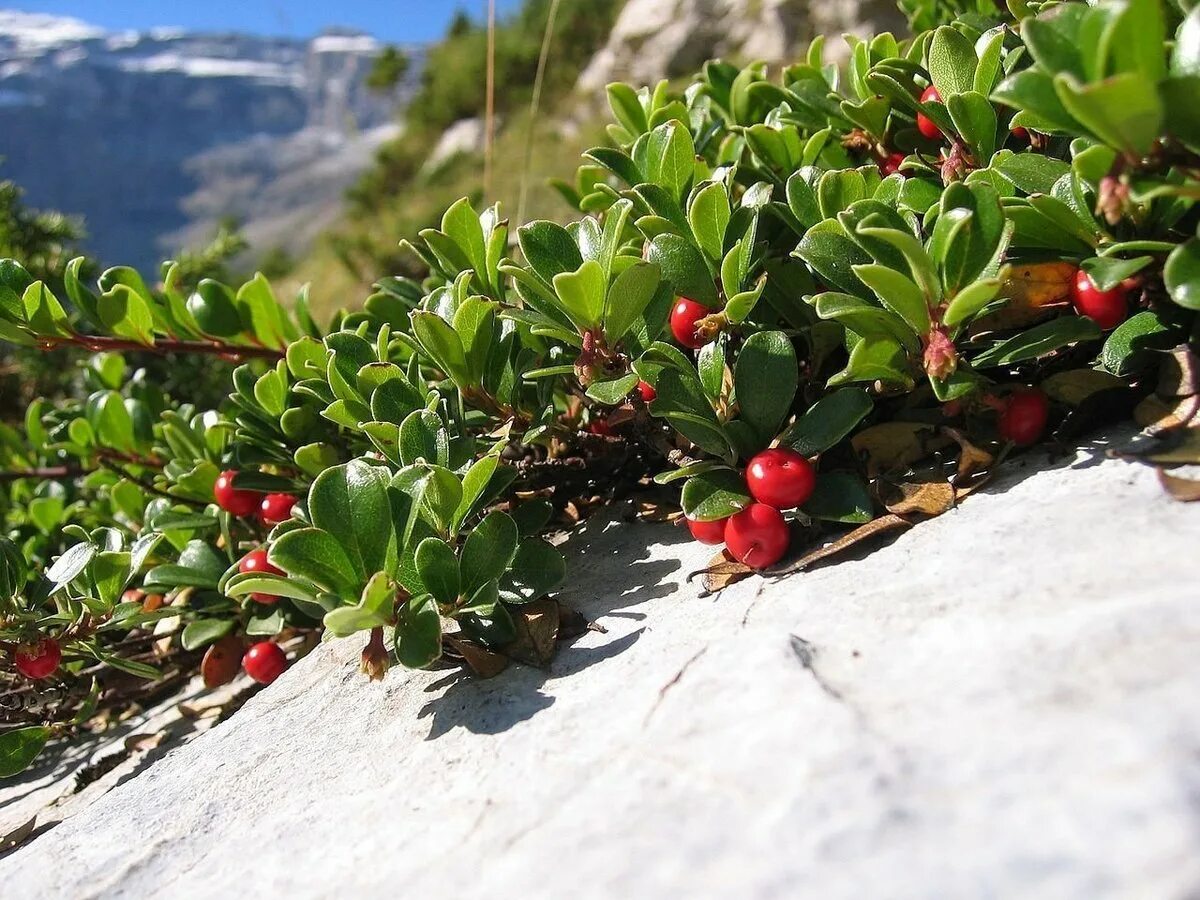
757,536
707,532
1107,309
646,391
264,662
780,478
1021,132
38,660
276,508
256,561
925,124
684,317
235,500
600,427
891,164
1023,418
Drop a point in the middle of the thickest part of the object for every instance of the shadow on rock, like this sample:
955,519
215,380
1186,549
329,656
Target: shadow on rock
612,565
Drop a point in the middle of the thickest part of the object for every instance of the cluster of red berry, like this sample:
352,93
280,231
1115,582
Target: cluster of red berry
758,535
264,661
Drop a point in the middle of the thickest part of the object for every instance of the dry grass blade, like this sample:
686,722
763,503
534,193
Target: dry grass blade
873,529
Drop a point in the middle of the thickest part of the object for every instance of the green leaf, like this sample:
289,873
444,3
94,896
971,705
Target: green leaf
875,359
671,158
350,503
437,493
627,108
66,568
581,294
840,497
898,293
970,301
715,494
203,632
627,299
952,62
1181,274
1123,111
765,381
1033,173
684,268
709,216
20,747
461,225
549,249
443,345
126,314
537,568
1136,343
1038,341
828,421
832,255
316,555
612,392
974,119
475,488
43,312
488,550
373,610
438,568
418,632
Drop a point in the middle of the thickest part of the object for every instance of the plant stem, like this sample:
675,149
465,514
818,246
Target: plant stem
44,472
98,343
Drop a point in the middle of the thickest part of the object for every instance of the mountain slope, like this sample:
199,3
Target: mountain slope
154,136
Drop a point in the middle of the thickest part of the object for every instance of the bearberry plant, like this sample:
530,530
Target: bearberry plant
820,299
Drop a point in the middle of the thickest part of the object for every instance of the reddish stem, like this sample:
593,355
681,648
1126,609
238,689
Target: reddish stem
100,343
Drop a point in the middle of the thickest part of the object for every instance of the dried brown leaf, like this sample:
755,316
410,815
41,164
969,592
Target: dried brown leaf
483,662
537,633
927,498
894,446
1185,490
139,742
1162,415
222,661
1179,374
873,529
1033,291
1180,446
972,459
1076,385
17,836
722,571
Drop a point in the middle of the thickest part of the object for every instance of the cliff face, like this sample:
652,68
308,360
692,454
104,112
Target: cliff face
152,136
656,39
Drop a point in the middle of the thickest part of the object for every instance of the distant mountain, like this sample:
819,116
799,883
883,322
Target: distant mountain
153,136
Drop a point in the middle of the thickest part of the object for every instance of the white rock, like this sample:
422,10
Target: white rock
464,136
654,39
1002,703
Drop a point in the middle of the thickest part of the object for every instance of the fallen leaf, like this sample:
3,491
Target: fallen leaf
1185,490
572,623
1179,446
1162,415
1076,385
722,571
972,459
483,662
1104,407
138,742
1179,374
1032,291
875,528
222,661
893,446
927,498
537,633
17,836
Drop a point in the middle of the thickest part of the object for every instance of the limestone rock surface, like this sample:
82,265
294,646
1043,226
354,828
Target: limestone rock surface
1002,703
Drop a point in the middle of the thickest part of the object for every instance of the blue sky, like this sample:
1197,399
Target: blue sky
391,20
